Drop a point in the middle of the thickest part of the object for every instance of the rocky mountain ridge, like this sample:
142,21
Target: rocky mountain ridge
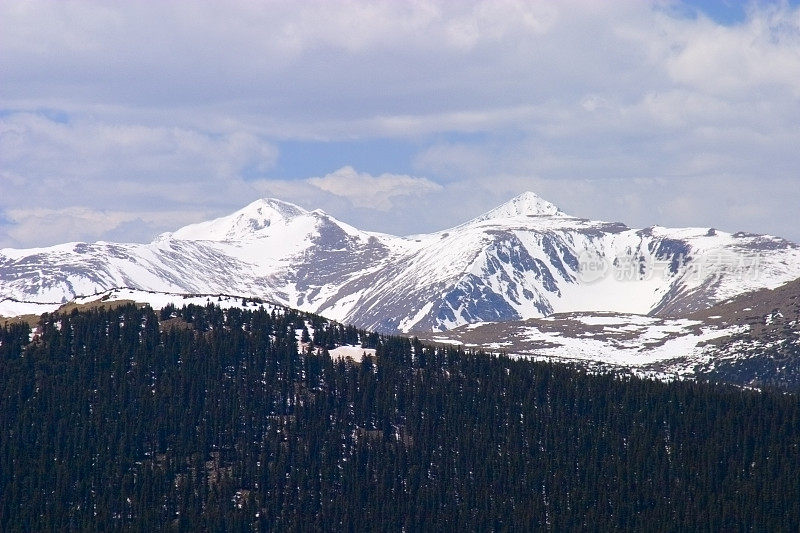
524,259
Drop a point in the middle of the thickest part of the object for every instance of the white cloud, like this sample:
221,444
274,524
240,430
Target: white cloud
760,55
140,108
83,180
53,226
495,20
372,192
456,161
342,68
120,164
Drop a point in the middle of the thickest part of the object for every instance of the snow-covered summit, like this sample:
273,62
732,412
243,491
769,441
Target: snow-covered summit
524,259
525,205
256,220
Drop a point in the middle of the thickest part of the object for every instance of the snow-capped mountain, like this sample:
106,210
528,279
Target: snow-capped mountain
522,260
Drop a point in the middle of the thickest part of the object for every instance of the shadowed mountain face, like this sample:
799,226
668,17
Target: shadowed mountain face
524,259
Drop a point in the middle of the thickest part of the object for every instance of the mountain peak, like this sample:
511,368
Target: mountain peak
273,206
526,204
252,221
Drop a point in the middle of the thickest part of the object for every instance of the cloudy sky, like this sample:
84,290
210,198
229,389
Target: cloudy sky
120,120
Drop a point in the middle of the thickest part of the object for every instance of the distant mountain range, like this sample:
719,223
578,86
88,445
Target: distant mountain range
524,259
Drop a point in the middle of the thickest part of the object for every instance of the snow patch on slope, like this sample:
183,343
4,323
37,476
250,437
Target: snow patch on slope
356,353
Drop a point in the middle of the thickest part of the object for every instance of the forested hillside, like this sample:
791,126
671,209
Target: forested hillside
204,419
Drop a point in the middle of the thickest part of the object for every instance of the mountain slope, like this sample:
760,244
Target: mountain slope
515,263
524,259
204,419
752,339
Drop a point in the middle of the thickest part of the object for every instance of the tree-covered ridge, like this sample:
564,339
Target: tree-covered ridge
204,419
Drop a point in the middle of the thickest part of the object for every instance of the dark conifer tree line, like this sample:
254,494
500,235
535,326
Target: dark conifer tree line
203,419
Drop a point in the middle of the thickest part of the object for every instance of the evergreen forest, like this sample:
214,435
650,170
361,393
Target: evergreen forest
204,419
